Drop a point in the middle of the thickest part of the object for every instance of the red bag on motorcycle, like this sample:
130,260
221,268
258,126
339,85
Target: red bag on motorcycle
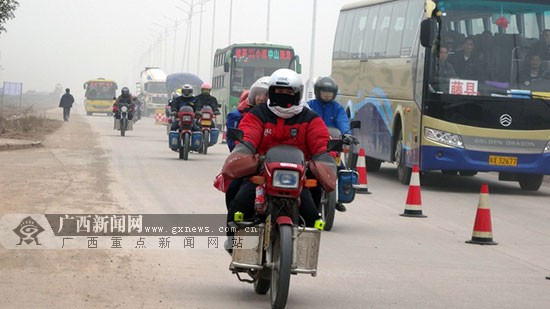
325,172
221,183
239,164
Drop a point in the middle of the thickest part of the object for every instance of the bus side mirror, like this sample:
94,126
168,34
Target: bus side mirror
426,30
355,124
226,67
295,64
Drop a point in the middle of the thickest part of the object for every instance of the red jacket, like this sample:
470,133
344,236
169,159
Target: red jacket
263,130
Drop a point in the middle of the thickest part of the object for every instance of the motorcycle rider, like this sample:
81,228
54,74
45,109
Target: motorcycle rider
138,105
333,114
186,99
282,121
124,98
249,98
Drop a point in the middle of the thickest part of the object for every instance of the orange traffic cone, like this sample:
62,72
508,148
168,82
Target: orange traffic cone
483,231
413,207
362,187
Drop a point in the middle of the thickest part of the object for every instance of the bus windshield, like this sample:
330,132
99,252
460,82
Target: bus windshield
252,63
100,90
492,48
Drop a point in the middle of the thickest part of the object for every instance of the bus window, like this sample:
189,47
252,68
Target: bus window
382,30
337,50
414,15
369,31
396,29
347,35
357,35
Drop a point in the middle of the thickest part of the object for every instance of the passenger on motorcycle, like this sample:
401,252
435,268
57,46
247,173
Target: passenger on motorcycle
186,99
124,98
205,99
282,121
249,98
333,114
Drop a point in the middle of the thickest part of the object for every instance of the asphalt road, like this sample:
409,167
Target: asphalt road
373,258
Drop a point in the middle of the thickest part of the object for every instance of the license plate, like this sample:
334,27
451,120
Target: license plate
206,122
504,161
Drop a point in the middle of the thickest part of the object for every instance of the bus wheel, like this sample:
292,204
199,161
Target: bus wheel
530,182
403,172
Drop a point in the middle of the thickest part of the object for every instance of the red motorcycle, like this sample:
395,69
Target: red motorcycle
185,116
282,247
206,116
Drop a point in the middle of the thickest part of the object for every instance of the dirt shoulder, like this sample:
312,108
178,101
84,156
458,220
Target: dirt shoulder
69,174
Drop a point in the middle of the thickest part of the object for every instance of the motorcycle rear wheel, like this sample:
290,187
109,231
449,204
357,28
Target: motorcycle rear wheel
328,201
282,260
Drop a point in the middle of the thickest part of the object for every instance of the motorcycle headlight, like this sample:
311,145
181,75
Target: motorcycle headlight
186,118
206,116
124,109
547,148
286,179
444,137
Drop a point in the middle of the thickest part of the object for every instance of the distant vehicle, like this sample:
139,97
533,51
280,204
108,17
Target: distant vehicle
152,90
174,82
99,96
385,63
238,66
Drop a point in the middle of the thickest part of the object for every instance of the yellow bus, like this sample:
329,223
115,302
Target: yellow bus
484,117
99,95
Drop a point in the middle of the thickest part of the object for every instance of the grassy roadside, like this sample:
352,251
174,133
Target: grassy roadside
26,124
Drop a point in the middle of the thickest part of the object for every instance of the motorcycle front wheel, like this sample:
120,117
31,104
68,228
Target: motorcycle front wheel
282,259
184,149
205,141
262,284
122,127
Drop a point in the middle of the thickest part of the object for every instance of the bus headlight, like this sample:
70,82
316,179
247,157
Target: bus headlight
444,137
547,148
286,179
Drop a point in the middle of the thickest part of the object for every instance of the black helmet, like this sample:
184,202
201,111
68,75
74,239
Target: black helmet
125,92
187,90
325,84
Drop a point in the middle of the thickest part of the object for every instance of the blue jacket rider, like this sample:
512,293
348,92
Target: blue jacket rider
327,107
332,113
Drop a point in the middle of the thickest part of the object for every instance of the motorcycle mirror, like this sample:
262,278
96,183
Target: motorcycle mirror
356,124
235,134
335,145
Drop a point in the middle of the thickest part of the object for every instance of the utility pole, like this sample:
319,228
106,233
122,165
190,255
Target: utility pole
230,21
213,31
267,23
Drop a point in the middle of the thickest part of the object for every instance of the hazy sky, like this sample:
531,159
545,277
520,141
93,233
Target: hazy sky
71,41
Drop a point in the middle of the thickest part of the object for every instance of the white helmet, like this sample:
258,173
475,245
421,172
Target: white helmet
259,86
285,88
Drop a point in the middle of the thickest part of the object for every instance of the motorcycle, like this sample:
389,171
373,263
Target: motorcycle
187,139
346,178
123,124
205,118
281,246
